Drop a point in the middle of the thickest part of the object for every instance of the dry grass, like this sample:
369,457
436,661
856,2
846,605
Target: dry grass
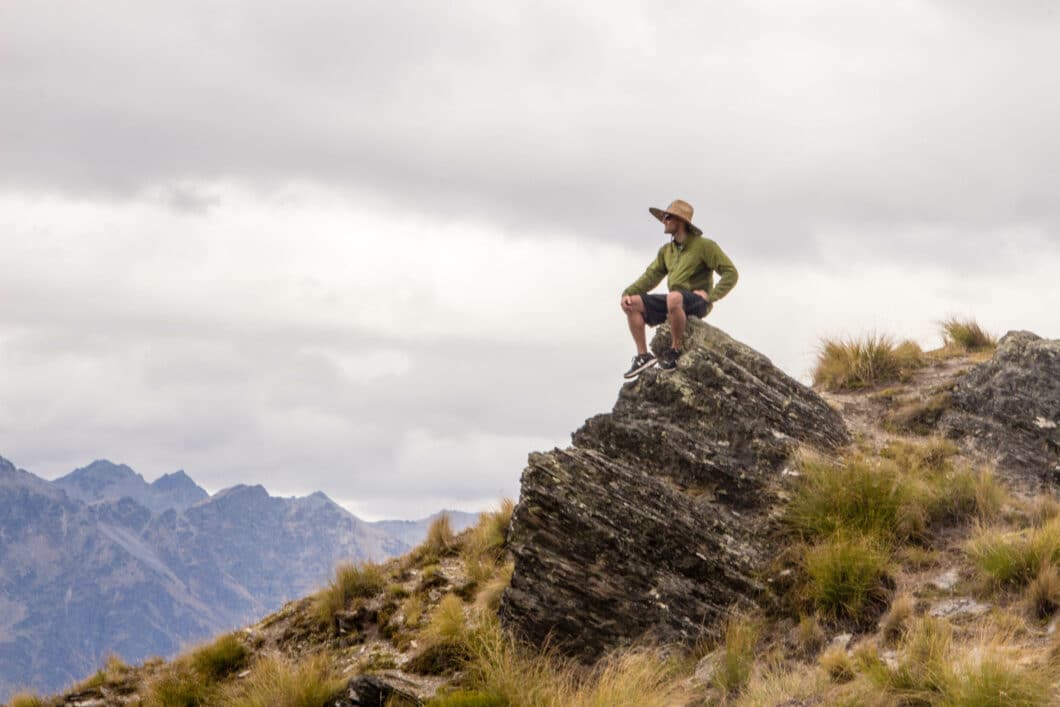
809,635
917,416
440,542
275,682
448,621
837,664
872,360
736,655
482,548
1043,593
350,581
966,335
512,674
845,576
895,621
26,699
1007,558
221,658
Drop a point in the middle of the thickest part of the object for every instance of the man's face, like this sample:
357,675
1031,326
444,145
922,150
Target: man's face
670,224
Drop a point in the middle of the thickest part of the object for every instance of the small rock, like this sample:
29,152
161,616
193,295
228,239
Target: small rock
372,691
946,581
842,641
706,668
962,606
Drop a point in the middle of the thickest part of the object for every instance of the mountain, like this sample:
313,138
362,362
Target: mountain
104,480
100,561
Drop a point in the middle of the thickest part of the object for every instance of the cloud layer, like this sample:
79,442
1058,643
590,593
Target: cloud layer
374,248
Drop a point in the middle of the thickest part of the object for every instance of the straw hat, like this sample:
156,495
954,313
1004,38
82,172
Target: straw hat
682,210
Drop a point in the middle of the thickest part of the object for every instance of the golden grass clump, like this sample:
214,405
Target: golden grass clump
448,621
737,653
837,663
488,598
846,575
1006,558
350,581
483,546
872,360
178,685
809,635
440,541
1043,593
895,621
932,670
218,660
966,335
511,674
275,682
26,699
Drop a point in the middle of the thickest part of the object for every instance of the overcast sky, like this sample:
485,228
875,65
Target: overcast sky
376,248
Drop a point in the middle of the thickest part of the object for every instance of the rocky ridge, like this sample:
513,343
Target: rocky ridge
656,519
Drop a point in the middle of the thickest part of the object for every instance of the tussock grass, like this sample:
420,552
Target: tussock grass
350,581
845,576
26,699
440,541
274,682
874,359
809,635
221,658
483,546
468,698
894,497
837,664
737,653
179,686
895,621
489,597
932,670
114,670
1043,508
448,621
917,416
966,335
412,610
1014,558
522,677
1043,593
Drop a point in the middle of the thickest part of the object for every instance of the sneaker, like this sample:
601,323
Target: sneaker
668,361
641,362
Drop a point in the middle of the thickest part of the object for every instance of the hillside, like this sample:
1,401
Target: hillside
102,562
724,536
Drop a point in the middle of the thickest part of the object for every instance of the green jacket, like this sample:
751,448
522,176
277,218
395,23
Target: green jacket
690,266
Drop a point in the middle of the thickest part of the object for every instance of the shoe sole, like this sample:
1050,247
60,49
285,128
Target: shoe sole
634,373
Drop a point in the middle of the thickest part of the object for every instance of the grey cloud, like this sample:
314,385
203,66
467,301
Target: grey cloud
773,121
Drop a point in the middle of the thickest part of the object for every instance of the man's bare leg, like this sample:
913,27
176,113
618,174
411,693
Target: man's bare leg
675,305
634,310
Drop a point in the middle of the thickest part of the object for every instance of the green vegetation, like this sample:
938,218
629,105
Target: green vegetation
26,699
1007,558
872,360
966,335
220,659
845,576
274,682
930,670
350,581
737,653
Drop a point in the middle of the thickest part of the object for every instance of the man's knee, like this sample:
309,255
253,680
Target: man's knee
634,304
675,301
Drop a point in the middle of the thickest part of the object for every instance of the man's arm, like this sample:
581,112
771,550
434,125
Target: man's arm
717,261
652,276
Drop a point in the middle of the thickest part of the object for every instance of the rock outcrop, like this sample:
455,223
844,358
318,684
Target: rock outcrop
1008,407
655,521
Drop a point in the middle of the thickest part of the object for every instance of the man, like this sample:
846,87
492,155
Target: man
690,261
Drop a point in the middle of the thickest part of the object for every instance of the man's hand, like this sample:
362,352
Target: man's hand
627,300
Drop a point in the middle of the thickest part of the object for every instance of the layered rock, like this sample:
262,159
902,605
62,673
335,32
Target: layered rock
655,520
1008,407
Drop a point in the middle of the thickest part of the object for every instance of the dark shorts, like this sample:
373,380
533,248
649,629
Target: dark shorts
655,310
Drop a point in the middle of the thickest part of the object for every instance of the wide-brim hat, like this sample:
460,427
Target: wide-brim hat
682,210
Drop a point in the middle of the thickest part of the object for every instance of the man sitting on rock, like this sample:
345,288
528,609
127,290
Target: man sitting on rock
690,261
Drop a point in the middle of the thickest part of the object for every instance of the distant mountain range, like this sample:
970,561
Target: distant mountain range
100,561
